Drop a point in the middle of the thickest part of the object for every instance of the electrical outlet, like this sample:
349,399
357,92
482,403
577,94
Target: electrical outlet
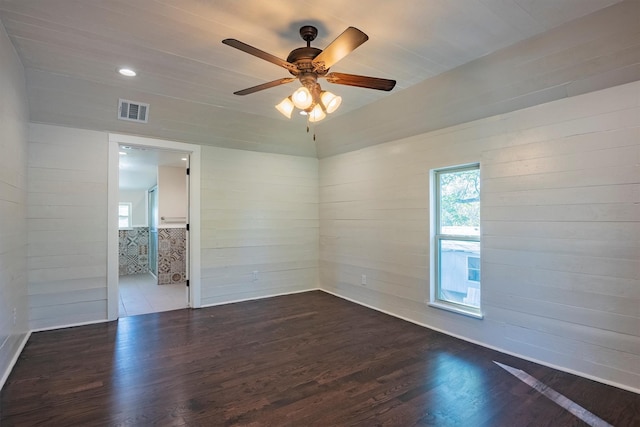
255,275
15,315
364,279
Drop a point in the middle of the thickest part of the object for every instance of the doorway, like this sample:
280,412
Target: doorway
153,209
161,286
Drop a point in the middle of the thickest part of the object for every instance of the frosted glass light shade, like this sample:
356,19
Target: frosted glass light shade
316,114
302,98
285,107
330,101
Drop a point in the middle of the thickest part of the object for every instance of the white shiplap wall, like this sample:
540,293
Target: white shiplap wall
259,212
560,230
67,226
13,206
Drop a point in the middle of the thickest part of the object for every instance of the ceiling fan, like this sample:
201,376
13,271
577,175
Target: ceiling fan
308,64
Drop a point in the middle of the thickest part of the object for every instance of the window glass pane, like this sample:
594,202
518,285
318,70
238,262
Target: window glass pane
473,268
124,215
459,202
459,267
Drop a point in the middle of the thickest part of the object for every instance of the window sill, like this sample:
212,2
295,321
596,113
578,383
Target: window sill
470,312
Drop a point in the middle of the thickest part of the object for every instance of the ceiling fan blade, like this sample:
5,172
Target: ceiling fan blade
264,86
260,54
361,81
344,44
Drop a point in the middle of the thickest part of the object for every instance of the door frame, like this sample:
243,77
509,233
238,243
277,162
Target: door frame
149,216
112,217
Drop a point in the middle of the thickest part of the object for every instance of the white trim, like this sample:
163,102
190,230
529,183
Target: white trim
71,325
194,228
113,199
260,297
436,236
14,359
499,349
194,215
455,308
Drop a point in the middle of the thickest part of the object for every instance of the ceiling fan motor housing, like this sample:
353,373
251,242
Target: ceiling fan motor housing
302,58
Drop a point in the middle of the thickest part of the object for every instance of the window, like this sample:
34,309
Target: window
456,262
124,215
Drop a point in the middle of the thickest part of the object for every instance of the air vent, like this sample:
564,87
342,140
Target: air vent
133,111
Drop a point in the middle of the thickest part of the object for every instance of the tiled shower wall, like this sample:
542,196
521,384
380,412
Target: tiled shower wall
133,251
172,246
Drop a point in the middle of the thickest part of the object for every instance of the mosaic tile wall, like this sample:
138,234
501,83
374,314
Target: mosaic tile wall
172,249
133,251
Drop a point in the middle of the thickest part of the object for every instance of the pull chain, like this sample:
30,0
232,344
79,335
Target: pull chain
308,128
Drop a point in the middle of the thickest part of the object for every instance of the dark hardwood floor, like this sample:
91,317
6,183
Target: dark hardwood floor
308,359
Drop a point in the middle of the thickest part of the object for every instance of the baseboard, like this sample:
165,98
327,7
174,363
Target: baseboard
14,359
93,322
257,298
71,325
499,349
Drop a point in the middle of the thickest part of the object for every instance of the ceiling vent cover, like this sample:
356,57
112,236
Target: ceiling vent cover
133,111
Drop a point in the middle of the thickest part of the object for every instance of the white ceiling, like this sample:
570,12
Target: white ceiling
72,48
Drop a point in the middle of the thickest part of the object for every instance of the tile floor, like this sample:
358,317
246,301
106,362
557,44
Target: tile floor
139,294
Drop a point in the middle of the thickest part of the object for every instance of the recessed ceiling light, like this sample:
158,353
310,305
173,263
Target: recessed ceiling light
128,72
123,153
184,158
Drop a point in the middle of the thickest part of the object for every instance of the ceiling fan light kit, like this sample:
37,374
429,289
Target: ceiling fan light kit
330,101
302,98
307,64
286,107
316,114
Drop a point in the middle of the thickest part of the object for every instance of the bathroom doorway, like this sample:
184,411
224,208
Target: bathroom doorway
150,264
153,186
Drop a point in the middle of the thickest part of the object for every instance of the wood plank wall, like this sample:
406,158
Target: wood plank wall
67,226
560,230
13,205
597,51
259,212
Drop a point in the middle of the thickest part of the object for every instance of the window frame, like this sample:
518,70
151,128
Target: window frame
129,217
437,237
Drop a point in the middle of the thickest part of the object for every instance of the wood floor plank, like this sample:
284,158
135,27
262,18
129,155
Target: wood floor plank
307,359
